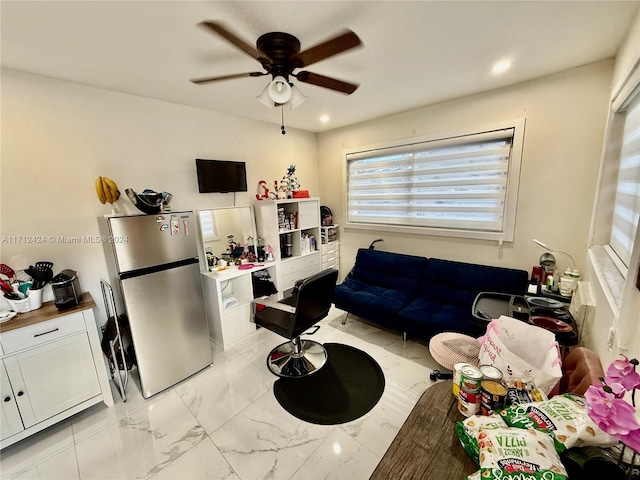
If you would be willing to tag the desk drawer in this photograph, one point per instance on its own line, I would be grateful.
(43, 332)
(335, 263)
(289, 280)
(310, 261)
(330, 247)
(307, 272)
(290, 266)
(330, 257)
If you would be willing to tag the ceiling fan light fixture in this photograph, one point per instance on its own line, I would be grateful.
(280, 54)
(265, 99)
(279, 90)
(297, 98)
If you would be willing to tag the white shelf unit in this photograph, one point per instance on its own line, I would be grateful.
(52, 367)
(228, 296)
(295, 241)
(330, 247)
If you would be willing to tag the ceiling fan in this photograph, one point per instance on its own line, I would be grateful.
(279, 54)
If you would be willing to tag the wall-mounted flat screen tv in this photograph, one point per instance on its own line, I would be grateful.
(221, 176)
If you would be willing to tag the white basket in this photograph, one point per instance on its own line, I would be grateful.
(32, 302)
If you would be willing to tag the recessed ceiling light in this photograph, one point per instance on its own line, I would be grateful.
(324, 118)
(501, 66)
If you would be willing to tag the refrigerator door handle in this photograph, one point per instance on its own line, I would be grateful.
(158, 268)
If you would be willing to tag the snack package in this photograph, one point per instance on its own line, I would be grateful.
(522, 391)
(474, 476)
(469, 429)
(516, 453)
(564, 417)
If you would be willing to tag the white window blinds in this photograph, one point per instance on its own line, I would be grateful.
(208, 226)
(627, 203)
(458, 183)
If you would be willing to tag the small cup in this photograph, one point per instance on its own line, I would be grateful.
(35, 296)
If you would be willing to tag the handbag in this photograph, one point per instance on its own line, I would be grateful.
(522, 352)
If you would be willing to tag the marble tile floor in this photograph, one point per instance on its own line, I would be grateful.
(225, 423)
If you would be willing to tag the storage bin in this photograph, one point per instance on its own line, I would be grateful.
(32, 302)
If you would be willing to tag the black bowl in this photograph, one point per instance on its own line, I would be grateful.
(149, 203)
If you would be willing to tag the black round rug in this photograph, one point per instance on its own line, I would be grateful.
(348, 386)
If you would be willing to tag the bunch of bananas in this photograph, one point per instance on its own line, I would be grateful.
(107, 190)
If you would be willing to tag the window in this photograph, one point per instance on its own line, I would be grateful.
(614, 251)
(626, 211)
(208, 226)
(462, 184)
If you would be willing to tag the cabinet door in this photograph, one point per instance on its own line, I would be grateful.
(52, 377)
(10, 422)
(308, 214)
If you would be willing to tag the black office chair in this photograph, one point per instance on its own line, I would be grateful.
(309, 303)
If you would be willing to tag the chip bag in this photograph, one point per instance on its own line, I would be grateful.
(469, 429)
(518, 454)
(564, 417)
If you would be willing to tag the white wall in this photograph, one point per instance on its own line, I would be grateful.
(565, 122)
(57, 137)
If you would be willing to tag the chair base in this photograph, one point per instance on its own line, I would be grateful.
(297, 359)
(436, 375)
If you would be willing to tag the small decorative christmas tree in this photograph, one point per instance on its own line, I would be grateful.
(293, 184)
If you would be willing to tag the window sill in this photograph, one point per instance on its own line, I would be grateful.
(442, 232)
(609, 275)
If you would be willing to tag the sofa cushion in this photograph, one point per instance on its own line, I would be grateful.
(389, 270)
(458, 283)
(424, 317)
(371, 302)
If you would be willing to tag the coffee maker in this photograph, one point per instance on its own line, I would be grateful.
(66, 289)
(286, 245)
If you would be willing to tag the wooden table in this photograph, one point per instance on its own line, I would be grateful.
(427, 446)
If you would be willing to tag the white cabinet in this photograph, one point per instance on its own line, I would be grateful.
(10, 421)
(228, 296)
(292, 228)
(331, 255)
(330, 247)
(52, 367)
(50, 378)
(309, 213)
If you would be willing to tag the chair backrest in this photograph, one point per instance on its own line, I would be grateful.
(313, 299)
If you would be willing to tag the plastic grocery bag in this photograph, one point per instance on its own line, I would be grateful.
(522, 352)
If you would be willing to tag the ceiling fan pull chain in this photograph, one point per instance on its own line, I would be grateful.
(282, 117)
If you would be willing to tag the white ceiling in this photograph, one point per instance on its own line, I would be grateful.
(415, 53)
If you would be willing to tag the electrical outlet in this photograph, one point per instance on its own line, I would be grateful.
(611, 338)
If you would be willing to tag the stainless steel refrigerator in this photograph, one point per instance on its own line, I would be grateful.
(155, 274)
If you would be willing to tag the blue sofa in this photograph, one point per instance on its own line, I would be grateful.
(421, 296)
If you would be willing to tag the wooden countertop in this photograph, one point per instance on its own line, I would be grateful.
(427, 446)
(48, 311)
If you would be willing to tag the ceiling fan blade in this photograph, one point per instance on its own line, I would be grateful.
(327, 82)
(343, 42)
(219, 29)
(226, 77)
